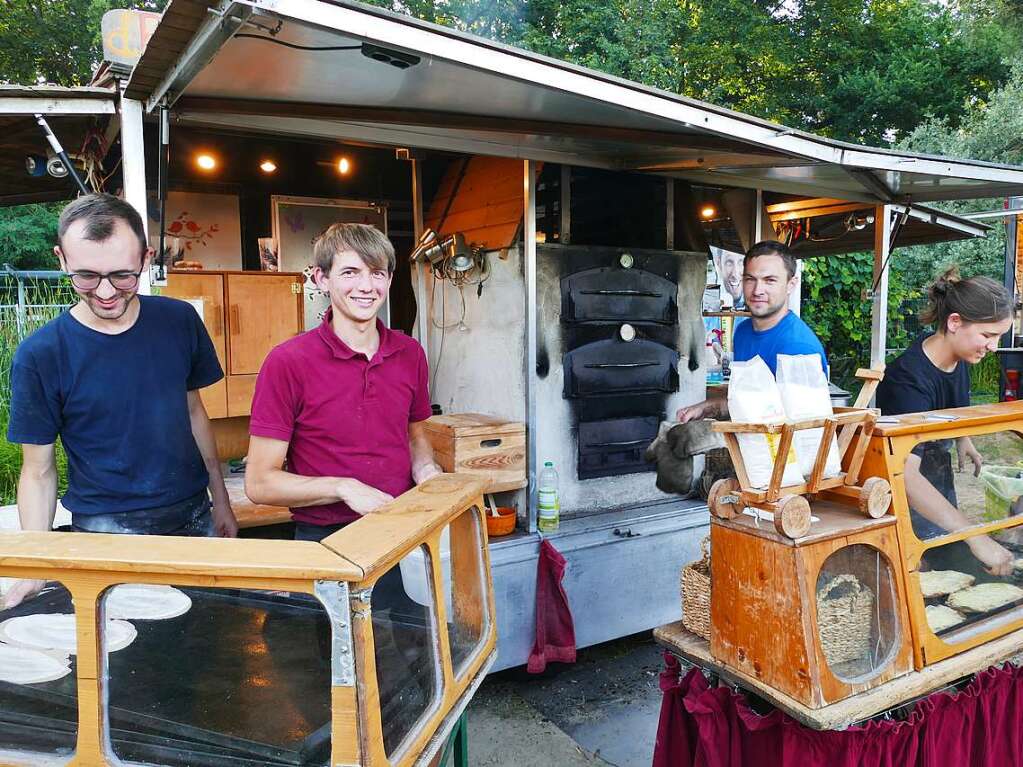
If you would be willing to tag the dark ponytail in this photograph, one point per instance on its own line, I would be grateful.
(977, 299)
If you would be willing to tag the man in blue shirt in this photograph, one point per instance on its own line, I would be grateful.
(768, 279)
(117, 378)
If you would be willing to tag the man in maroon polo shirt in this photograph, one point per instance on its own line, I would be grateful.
(342, 406)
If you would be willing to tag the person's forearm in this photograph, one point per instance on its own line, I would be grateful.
(202, 431)
(925, 499)
(422, 456)
(276, 487)
(37, 497)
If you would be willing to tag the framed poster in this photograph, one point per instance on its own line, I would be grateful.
(298, 221)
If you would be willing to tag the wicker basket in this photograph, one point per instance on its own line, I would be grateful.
(695, 588)
(845, 610)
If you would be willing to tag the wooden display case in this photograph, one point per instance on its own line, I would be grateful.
(393, 668)
(246, 314)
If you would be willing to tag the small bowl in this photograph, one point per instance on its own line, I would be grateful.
(503, 524)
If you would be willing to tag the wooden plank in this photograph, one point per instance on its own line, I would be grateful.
(823, 450)
(781, 460)
(251, 514)
(378, 540)
(231, 436)
(834, 520)
(853, 472)
(473, 424)
(859, 707)
(240, 389)
(58, 553)
(344, 721)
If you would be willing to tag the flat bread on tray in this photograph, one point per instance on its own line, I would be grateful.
(941, 617)
(938, 583)
(985, 597)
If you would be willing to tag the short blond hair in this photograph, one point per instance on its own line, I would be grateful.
(366, 241)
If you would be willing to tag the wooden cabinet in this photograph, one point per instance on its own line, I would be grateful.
(246, 314)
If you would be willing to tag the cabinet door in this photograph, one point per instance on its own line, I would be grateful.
(209, 289)
(263, 310)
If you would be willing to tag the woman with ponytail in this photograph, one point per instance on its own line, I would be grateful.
(969, 318)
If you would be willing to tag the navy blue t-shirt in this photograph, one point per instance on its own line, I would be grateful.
(790, 336)
(119, 404)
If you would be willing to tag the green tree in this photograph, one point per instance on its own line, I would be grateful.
(55, 41)
(27, 236)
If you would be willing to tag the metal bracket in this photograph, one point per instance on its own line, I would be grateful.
(334, 597)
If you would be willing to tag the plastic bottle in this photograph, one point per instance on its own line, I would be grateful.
(548, 502)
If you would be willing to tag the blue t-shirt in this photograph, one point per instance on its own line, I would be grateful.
(790, 336)
(119, 404)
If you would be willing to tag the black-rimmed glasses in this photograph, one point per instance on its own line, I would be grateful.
(118, 280)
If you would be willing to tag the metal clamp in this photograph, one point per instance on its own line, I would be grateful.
(334, 597)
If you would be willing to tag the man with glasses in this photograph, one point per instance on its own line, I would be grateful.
(117, 379)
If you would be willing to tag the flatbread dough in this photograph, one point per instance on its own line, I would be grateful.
(937, 583)
(137, 601)
(55, 631)
(985, 597)
(941, 617)
(20, 665)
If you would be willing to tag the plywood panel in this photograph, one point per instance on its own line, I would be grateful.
(484, 203)
(209, 289)
(239, 395)
(263, 310)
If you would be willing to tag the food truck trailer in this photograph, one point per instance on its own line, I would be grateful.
(553, 226)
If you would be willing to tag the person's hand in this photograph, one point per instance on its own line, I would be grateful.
(693, 412)
(967, 450)
(224, 523)
(360, 497)
(427, 471)
(20, 591)
(996, 558)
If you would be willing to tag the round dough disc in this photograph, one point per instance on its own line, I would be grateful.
(20, 665)
(138, 601)
(57, 632)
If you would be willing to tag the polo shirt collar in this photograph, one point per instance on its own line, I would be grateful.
(341, 350)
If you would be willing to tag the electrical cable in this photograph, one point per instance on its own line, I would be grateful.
(298, 47)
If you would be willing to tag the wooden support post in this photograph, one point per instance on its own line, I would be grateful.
(784, 445)
(814, 483)
(853, 474)
(879, 301)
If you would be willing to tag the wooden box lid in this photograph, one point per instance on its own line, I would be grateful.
(456, 425)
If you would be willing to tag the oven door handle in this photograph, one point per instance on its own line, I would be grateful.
(641, 293)
(629, 443)
(605, 365)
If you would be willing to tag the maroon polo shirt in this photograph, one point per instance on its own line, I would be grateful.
(341, 414)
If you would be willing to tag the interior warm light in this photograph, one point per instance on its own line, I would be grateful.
(344, 165)
(206, 161)
(268, 166)
(708, 211)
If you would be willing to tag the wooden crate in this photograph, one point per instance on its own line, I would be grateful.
(482, 445)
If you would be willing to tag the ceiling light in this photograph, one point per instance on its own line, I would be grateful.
(708, 211)
(343, 166)
(205, 161)
(268, 166)
(390, 56)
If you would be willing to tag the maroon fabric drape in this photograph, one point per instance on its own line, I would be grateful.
(555, 631)
(981, 726)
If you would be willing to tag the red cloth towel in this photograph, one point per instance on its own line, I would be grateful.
(700, 726)
(555, 631)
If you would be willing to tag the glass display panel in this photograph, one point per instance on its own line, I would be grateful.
(465, 595)
(217, 676)
(38, 675)
(405, 646)
(857, 619)
(944, 498)
(973, 586)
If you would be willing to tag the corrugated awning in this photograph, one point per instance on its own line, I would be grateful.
(78, 117)
(321, 69)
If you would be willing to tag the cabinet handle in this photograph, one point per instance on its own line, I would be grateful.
(218, 321)
(235, 320)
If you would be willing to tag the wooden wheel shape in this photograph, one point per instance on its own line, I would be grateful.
(721, 488)
(792, 516)
(875, 497)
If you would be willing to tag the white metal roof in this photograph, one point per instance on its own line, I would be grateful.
(473, 95)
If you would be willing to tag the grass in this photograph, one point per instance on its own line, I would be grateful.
(46, 299)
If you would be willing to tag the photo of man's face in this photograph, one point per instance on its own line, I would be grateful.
(729, 269)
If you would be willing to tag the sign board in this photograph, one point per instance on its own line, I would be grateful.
(125, 34)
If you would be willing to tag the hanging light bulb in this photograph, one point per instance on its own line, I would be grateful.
(268, 166)
(344, 165)
(206, 161)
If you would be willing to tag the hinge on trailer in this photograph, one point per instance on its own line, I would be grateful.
(334, 597)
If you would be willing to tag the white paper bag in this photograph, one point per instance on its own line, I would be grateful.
(805, 395)
(753, 397)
